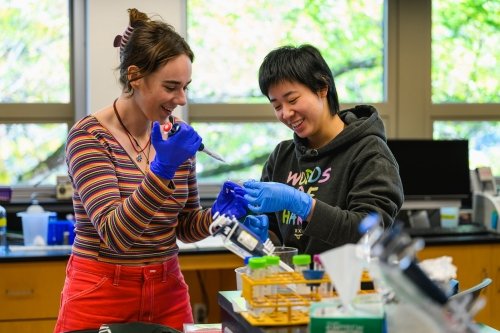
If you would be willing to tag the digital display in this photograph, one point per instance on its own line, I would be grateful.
(433, 169)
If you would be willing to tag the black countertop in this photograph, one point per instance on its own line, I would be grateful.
(214, 245)
(19, 253)
(462, 239)
(462, 234)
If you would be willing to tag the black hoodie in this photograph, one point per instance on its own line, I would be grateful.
(351, 176)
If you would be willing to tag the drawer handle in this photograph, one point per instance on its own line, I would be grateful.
(497, 278)
(19, 292)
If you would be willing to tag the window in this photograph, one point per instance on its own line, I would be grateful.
(32, 154)
(231, 42)
(467, 30)
(244, 146)
(35, 47)
(483, 136)
(35, 90)
(375, 40)
(229, 45)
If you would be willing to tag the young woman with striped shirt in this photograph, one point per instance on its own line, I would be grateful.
(135, 192)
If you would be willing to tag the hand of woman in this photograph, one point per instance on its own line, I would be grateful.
(230, 201)
(259, 225)
(268, 197)
(173, 151)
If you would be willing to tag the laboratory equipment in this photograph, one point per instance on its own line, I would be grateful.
(286, 306)
(449, 217)
(61, 232)
(3, 230)
(482, 180)
(301, 263)
(239, 271)
(273, 267)
(486, 201)
(345, 268)
(318, 266)
(257, 267)
(238, 238)
(486, 208)
(286, 254)
(396, 253)
(35, 221)
(171, 128)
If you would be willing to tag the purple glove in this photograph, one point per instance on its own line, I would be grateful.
(259, 225)
(268, 197)
(174, 151)
(230, 201)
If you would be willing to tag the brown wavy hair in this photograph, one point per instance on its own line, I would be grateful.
(151, 44)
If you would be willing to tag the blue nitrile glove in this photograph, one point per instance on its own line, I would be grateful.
(259, 225)
(230, 201)
(267, 197)
(173, 151)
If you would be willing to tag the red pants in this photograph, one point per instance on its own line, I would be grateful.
(97, 293)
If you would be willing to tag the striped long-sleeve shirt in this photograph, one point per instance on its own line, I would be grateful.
(122, 215)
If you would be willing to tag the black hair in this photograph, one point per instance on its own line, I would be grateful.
(303, 64)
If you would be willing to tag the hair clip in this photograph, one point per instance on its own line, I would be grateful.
(126, 36)
(122, 40)
(117, 41)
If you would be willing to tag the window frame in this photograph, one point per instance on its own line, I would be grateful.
(22, 113)
(263, 112)
(25, 113)
(416, 111)
(407, 112)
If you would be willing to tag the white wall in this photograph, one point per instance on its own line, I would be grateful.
(105, 20)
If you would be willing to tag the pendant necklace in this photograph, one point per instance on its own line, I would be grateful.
(133, 141)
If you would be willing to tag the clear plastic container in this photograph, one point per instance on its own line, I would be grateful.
(273, 263)
(239, 271)
(273, 268)
(36, 227)
(302, 262)
(256, 271)
(324, 288)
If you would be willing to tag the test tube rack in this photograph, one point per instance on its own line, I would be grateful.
(285, 307)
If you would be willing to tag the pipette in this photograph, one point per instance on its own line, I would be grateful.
(171, 128)
(238, 238)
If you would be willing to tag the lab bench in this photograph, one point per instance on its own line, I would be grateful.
(476, 257)
(31, 281)
(233, 321)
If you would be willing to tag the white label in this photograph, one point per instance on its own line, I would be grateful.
(247, 240)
